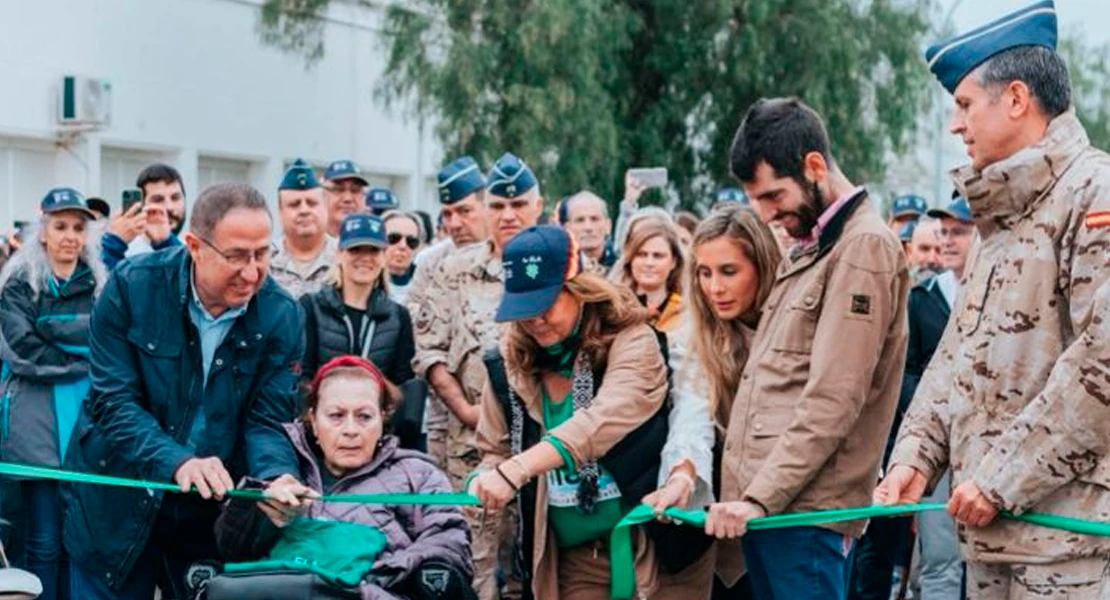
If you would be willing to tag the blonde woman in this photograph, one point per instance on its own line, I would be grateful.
(355, 315)
(731, 270)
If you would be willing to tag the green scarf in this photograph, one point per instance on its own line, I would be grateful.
(559, 357)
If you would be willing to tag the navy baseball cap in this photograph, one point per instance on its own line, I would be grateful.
(361, 229)
(344, 169)
(459, 179)
(65, 198)
(905, 206)
(381, 200)
(952, 60)
(957, 209)
(537, 262)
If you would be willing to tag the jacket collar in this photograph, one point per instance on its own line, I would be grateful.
(298, 435)
(80, 282)
(377, 306)
(830, 233)
(1014, 186)
(487, 264)
(248, 327)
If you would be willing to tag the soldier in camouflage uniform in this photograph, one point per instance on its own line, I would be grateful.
(301, 260)
(461, 194)
(465, 290)
(1017, 399)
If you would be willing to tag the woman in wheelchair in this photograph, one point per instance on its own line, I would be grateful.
(342, 450)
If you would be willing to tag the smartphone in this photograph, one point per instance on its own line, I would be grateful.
(131, 197)
(649, 177)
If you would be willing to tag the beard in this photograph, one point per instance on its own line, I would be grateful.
(177, 222)
(807, 214)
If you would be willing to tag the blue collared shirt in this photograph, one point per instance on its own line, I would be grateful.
(212, 332)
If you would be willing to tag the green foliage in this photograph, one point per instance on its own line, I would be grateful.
(584, 89)
(1089, 70)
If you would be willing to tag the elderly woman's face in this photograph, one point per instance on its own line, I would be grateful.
(556, 324)
(64, 236)
(347, 422)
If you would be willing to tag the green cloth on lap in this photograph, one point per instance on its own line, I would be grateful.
(338, 552)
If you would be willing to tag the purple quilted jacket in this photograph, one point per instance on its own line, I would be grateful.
(415, 534)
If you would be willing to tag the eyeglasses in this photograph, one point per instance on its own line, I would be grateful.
(411, 241)
(240, 259)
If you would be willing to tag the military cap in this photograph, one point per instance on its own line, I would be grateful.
(957, 209)
(344, 169)
(459, 179)
(953, 59)
(379, 200)
(908, 205)
(299, 177)
(510, 177)
(65, 198)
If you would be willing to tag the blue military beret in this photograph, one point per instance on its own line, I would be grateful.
(909, 205)
(952, 60)
(510, 177)
(459, 179)
(299, 177)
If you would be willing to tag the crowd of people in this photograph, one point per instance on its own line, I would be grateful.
(789, 351)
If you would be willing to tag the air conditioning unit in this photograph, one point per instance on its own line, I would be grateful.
(84, 101)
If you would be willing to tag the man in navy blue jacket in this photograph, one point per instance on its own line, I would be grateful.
(195, 357)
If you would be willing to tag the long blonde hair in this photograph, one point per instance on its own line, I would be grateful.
(607, 310)
(644, 233)
(718, 345)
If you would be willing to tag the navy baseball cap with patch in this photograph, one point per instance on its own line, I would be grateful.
(905, 206)
(537, 262)
(510, 177)
(65, 198)
(299, 177)
(953, 59)
(362, 230)
(905, 234)
(344, 169)
(957, 209)
(381, 200)
(459, 179)
(731, 194)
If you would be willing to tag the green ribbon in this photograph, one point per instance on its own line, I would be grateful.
(16, 470)
(621, 563)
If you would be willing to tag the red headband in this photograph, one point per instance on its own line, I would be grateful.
(348, 361)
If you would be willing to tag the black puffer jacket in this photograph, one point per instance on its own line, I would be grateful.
(329, 332)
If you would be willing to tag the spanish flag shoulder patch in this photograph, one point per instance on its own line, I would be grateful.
(1098, 218)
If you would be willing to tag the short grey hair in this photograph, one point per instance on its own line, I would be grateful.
(217, 200)
(1038, 67)
(587, 194)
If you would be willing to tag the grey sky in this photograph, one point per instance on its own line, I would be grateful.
(1072, 14)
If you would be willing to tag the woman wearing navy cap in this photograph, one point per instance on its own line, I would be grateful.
(355, 315)
(574, 421)
(46, 295)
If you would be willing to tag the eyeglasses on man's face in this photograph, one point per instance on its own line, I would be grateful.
(240, 258)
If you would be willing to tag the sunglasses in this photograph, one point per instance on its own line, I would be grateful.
(412, 241)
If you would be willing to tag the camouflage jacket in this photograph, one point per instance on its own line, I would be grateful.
(454, 324)
(298, 280)
(1017, 397)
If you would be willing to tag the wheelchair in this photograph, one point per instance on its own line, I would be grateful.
(207, 581)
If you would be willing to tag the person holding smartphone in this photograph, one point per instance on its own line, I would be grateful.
(151, 224)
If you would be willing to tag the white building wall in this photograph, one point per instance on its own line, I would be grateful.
(193, 86)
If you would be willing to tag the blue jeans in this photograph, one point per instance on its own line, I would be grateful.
(797, 563)
(45, 556)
